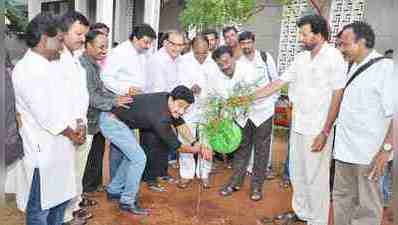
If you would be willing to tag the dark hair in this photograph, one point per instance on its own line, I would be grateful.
(199, 38)
(182, 93)
(319, 25)
(229, 28)
(211, 31)
(362, 30)
(142, 30)
(221, 51)
(246, 35)
(41, 24)
(97, 26)
(389, 51)
(70, 17)
(91, 35)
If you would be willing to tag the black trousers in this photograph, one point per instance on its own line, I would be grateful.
(157, 156)
(260, 138)
(92, 177)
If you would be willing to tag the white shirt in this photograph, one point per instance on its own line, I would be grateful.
(39, 93)
(124, 68)
(162, 72)
(365, 112)
(262, 109)
(77, 96)
(313, 82)
(191, 72)
(222, 85)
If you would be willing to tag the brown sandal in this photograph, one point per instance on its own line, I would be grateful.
(86, 202)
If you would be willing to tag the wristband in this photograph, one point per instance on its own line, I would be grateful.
(194, 142)
(324, 132)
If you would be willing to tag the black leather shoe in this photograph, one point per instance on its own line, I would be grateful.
(256, 194)
(134, 209)
(228, 190)
(112, 197)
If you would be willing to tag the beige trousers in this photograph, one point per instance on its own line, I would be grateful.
(309, 174)
(356, 200)
(81, 156)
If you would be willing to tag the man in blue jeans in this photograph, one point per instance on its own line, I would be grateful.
(158, 113)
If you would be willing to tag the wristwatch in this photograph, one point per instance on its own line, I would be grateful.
(387, 147)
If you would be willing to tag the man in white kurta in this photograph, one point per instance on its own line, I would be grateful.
(194, 69)
(317, 76)
(257, 127)
(75, 27)
(46, 175)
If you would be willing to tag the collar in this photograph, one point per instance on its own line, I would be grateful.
(88, 59)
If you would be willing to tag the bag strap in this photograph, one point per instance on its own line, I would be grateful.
(263, 55)
(361, 69)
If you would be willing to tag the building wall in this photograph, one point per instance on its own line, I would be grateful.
(267, 27)
(381, 15)
(169, 14)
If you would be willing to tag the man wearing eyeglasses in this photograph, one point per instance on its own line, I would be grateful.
(162, 76)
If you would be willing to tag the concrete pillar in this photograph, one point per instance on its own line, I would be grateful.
(34, 8)
(121, 21)
(82, 7)
(105, 15)
(2, 108)
(394, 202)
(152, 13)
(151, 16)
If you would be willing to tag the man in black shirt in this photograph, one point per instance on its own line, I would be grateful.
(158, 113)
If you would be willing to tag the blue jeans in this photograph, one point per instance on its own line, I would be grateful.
(115, 159)
(35, 215)
(386, 182)
(126, 181)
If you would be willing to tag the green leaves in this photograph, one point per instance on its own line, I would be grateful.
(16, 15)
(202, 14)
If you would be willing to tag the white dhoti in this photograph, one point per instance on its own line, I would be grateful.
(309, 174)
(188, 166)
(81, 156)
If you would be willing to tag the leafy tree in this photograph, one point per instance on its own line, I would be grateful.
(202, 14)
(16, 15)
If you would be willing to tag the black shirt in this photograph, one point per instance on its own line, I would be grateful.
(150, 112)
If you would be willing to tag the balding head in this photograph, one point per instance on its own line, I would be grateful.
(200, 47)
(174, 44)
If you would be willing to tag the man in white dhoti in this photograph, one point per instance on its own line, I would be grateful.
(46, 177)
(194, 70)
(317, 77)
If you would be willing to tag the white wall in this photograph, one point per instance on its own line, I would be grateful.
(382, 16)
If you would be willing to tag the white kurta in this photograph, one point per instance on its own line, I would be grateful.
(313, 82)
(191, 72)
(223, 85)
(264, 108)
(39, 95)
(76, 97)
